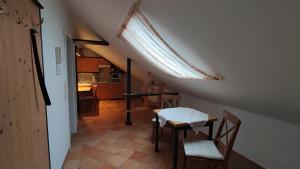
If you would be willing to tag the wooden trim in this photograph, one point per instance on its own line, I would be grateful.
(130, 13)
(100, 57)
(208, 76)
(38, 4)
(135, 9)
(93, 42)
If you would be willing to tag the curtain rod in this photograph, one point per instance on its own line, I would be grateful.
(132, 10)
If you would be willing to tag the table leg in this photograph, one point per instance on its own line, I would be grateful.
(157, 125)
(211, 127)
(175, 147)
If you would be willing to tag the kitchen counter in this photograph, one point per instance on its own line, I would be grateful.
(104, 89)
(84, 88)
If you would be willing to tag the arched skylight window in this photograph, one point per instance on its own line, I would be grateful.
(140, 34)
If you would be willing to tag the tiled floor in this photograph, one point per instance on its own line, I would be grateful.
(105, 142)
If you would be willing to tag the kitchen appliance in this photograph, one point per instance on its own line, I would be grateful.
(115, 76)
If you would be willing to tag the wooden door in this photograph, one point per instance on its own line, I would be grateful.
(23, 130)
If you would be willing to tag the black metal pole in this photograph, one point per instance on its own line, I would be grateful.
(210, 130)
(185, 133)
(157, 125)
(175, 147)
(128, 98)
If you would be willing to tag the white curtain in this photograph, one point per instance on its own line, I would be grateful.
(142, 36)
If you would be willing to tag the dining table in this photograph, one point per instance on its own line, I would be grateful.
(177, 124)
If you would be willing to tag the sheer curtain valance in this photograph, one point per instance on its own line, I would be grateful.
(142, 36)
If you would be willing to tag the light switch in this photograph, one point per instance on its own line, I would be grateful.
(58, 60)
(58, 55)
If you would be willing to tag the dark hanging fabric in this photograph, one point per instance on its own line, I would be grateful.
(38, 67)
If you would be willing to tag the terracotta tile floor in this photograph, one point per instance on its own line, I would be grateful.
(105, 142)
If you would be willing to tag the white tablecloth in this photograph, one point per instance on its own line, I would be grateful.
(195, 118)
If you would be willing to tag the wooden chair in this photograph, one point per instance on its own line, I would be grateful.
(167, 101)
(89, 102)
(216, 152)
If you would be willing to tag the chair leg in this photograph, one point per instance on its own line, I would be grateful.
(184, 162)
(225, 166)
(185, 133)
(153, 134)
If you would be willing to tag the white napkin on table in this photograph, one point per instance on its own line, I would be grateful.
(195, 118)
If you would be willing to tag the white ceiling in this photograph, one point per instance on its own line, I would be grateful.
(254, 44)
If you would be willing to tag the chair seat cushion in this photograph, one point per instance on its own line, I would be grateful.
(154, 120)
(202, 148)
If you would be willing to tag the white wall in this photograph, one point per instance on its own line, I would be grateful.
(254, 44)
(271, 143)
(53, 32)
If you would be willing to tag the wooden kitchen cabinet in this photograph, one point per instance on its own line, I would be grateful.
(110, 91)
(117, 90)
(103, 61)
(85, 64)
(104, 91)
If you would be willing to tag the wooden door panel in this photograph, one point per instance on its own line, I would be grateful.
(23, 130)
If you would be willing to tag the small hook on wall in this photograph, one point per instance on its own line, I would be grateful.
(37, 25)
(3, 11)
(19, 20)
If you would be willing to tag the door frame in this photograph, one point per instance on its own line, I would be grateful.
(72, 84)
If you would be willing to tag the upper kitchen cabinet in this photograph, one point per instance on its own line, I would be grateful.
(90, 64)
(103, 61)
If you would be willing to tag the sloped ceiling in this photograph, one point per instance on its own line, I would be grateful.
(254, 44)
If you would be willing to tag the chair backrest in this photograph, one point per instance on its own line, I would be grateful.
(225, 137)
(168, 101)
(94, 89)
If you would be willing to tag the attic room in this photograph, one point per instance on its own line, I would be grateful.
(158, 84)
